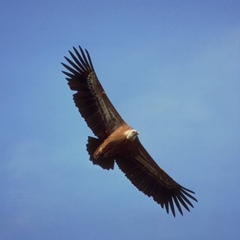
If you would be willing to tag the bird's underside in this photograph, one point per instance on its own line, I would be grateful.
(116, 141)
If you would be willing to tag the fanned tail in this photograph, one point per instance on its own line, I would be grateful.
(92, 145)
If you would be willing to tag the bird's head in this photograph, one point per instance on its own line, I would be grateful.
(131, 134)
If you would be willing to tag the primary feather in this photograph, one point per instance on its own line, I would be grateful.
(113, 143)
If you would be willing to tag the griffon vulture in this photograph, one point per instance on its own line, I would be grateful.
(117, 141)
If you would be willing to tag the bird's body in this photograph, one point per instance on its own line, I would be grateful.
(117, 141)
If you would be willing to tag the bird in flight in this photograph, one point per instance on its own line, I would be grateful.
(116, 141)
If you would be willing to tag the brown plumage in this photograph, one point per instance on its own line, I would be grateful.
(117, 141)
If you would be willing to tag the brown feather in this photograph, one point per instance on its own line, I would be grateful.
(91, 99)
(113, 144)
(148, 177)
(92, 145)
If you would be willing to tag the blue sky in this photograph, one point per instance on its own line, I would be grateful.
(171, 68)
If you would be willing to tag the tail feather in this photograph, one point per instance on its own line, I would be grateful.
(92, 145)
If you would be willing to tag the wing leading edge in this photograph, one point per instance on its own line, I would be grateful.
(90, 98)
(103, 119)
(148, 177)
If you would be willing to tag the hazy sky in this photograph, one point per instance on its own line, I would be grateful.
(171, 68)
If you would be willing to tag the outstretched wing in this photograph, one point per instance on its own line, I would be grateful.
(91, 99)
(148, 177)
